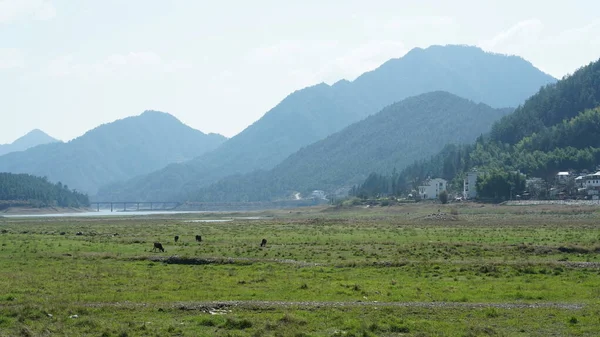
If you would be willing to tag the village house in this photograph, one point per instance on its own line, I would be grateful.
(562, 177)
(579, 181)
(318, 194)
(591, 183)
(470, 185)
(432, 188)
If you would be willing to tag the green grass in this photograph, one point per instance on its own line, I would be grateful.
(486, 259)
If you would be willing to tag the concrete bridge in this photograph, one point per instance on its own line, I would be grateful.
(136, 205)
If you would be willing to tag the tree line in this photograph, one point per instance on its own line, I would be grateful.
(557, 129)
(26, 189)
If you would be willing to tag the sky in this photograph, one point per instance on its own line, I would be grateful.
(68, 66)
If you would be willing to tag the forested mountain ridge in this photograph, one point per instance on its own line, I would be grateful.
(28, 190)
(545, 135)
(114, 151)
(401, 133)
(551, 105)
(313, 113)
(33, 138)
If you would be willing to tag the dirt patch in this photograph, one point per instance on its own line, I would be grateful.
(229, 260)
(440, 217)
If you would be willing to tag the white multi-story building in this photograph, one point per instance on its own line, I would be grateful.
(432, 188)
(592, 181)
(469, 185)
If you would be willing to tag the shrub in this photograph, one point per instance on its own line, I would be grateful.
(399, 329)
(232, 323)
(443, 196)
(207, 322)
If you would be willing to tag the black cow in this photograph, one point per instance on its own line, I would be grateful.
(263, 243)
(198, 238)
(176, 238)
(158, 245)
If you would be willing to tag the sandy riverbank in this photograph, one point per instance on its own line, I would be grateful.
(43, 210)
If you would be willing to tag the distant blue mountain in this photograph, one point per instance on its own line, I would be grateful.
(32, 138)
(115, 151)
(314, 113)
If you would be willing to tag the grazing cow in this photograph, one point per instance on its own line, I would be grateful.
(263, 243)
(198, 238)
(158, 245)
(176, 238)
(79, 233)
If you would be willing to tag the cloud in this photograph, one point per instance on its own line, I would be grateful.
(314, 61)
(11, 58)
(556, 53)
(518, 36)
(115, 65)
(304, 60)
(15, 10)
(290, 52)
(587, 34)
(362, 58)
(415, 22)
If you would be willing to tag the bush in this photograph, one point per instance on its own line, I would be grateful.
(351, 202)
(232, 323)
(400, 329)
(443, 196)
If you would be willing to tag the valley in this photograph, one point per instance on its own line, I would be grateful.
(505, 270)
(335, 169)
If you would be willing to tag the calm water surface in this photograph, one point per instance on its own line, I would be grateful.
(121, 213)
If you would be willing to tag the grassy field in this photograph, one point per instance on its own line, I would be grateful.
(409, 270)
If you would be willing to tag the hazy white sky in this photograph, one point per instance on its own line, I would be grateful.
(68, 66)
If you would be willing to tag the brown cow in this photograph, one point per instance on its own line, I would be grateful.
(159, 246)
(263, 243)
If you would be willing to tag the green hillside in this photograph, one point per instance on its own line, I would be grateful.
(115, 151)
(551, 105)
(313, 113)
(403, 132)
(32, 191)
(557, 129)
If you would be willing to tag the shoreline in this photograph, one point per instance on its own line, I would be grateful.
(42, 211)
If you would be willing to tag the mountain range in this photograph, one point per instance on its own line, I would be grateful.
(313, 113)
(115, 151)
(31, 139)
(401, 133)
(556, 129)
